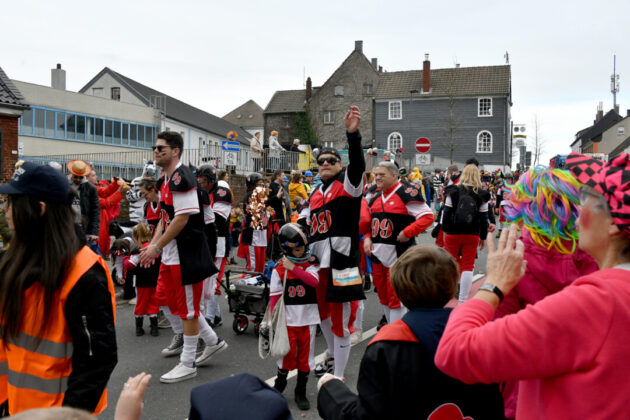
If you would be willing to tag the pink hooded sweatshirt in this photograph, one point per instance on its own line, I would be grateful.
(548, 272)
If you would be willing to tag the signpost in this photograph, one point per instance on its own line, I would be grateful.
(423, 159)
(423, 145)
(230, 146)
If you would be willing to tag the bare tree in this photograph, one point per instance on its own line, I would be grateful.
(538, 140)
(451, 122)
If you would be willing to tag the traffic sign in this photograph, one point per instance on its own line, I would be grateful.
(230, 158)
(423, 145)
(423, 159)
(230, 146)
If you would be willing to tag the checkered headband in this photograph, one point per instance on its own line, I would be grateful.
(611, 179)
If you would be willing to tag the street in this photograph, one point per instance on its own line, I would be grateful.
(172, 401)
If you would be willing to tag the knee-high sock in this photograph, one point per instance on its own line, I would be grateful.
(311, 354)
(358, 321)
(386, 311)
(465, 284)
(326, 326)
(342, 354)
(207, 333)
(176, 322)
(396, 313)
(190, 347)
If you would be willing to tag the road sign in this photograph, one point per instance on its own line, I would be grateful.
(423, 145)
(230, 158)
(230, 146)
(423, 159)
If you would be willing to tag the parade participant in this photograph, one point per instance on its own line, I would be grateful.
(298, 269)
(254, 232)
(437, 181)
(579, 336)
(186, 259)
(398, 378)
(145, 282)
(57, 300)
(333, 216)
(451, 178)
(503, 190)
(110, 195)
(465, 224)
(134, 197)
(85, 204)
(548, 231)
(397, 214)
(296, 188)
(276, 197)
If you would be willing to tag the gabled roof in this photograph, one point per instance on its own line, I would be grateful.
(594, 132)
(10, 95)
(175, 108)
(286, 101)
(617, 150)
(241, 115)
(461, 81)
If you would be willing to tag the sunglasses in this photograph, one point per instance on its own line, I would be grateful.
(331, 160)
(159, 148)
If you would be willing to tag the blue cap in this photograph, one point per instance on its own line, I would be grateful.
(308, 173)
(41, 181)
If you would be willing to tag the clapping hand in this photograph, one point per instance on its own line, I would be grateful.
(506, 265)
(130, 405)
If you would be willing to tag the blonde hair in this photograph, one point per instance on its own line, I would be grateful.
(53, 413)
(471, 176)
(141, 234)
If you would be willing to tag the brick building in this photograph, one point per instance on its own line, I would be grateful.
(12, 105)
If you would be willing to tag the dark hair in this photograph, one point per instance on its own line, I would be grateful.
(472, 161)
(173, 139)
(276, 173)
(42, 249)
(425, 276)
(148, 184)
(296, 177)
(221, 175)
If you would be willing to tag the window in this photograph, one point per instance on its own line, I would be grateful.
(39, 122)
(621, 130)
(395, 110)
(50, 124)
(116, 93)
(27, 122)
(394, 142)
(250, 116)
(329, 117)
(484, 107)
(368, 89)
(238, 116)
(80, 127)
(484, 142)
(97, 92)
(286, 122)
(338, 90)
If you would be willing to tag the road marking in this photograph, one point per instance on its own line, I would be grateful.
(320, 357)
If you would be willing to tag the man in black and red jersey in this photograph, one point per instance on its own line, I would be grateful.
(397, 213)
(186, 259)
(333, 216)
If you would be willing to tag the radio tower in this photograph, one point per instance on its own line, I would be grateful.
(614, 82)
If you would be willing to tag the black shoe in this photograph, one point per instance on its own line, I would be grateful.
(217, 322)
(381, 323)
(281, 380)
(139, 329)
(300, 391)
(367, 284)
(209, 321)
(153, 325)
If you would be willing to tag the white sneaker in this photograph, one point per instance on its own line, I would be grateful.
(133, 301)
(356, 337)
(179, 373)
(210, 351)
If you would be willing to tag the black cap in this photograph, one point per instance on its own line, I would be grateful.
(40, 181)
(329, 151)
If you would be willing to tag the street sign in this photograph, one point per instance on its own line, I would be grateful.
(423, 145)
(230, 146)
(230, 158)
(423, 159)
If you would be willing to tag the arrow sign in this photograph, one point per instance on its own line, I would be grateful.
(230, 146)
(423, 145)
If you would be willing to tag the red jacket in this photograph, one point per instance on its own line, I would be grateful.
(109, 198)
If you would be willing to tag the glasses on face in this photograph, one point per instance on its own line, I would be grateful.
(160, 148)
(331, 160)
(600, 202)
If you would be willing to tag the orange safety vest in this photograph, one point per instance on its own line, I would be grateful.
(38, 374)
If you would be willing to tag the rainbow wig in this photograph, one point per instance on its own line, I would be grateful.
(545, 203)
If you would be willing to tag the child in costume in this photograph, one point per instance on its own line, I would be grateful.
(300, 272)
(145, 281)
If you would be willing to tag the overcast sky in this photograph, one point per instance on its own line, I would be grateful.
(217, 56)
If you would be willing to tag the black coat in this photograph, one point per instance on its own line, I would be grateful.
(90, 208)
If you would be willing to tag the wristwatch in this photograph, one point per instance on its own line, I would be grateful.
(494, 289)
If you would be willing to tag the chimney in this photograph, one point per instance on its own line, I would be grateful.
(426, 75)
(600, 112)
(309, 88)
(58, 78)
(358, 46)
(380, 69)
(375, 63)
(456, 65)
(627, 112)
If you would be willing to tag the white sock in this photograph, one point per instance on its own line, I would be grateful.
(176, 322)
(465, 284)
(217, 308)
(207, 333)
(209, 308)
(342, 354)
(358, 321)
(396, 313)
(326, 326)
(386, 311)
(311, 354)
(190, 348)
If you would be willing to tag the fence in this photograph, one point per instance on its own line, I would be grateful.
(129, 165)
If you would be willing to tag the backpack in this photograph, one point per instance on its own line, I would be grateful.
(467, 208)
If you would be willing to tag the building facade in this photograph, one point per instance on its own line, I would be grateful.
(589, 139)
(12, 106)
(615, 135)
(248, 116)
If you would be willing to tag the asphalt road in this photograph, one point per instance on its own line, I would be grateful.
(172, 401)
